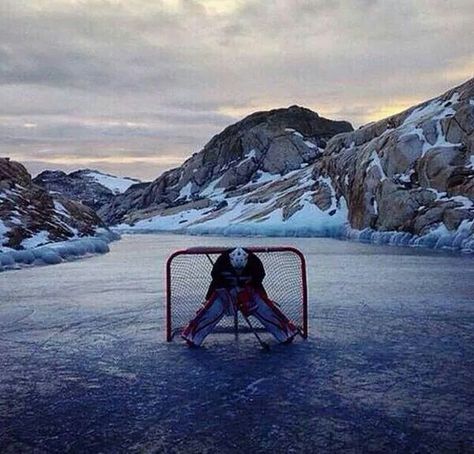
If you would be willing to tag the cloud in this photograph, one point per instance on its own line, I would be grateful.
(164, 76)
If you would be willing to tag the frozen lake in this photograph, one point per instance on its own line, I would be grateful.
(388, 366)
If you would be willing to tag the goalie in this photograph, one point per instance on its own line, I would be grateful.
(237, 277)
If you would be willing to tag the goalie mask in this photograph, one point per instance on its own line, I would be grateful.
(238, 258)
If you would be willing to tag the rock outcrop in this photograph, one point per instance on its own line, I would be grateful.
(407, 179)
(261, 147)
(90, 187)
(412, 172)
(31, 216)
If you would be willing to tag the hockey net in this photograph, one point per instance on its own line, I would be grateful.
(188, 275)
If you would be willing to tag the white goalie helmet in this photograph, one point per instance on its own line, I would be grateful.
(238, 258)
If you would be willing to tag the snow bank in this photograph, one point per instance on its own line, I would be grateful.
(309, 221)
(241, 218)
(299, 225)
(54, 253)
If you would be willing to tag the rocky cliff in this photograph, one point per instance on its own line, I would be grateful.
(410, 173)
(90, 187)
(247, 155)
(407, 179)
(31, 216)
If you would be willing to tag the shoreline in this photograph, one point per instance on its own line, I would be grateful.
(57, 252)
(460, 242)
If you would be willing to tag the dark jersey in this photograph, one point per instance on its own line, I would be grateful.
(224, 275)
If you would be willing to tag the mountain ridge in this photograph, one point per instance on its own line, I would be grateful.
(91, 187)
(272, 142)
(407, 178)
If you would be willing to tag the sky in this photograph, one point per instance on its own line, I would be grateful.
(134, 87)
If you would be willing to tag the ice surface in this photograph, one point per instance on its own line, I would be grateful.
(387, 366)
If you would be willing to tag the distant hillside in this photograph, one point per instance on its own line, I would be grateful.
(31, 216)
(90, 187)
(262, 148)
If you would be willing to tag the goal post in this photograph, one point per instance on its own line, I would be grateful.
(188, 275)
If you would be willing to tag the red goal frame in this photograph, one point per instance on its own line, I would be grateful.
(219, 250)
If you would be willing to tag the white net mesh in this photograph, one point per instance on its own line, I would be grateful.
(189, 276)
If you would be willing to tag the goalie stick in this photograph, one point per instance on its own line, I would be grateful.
(263, 344)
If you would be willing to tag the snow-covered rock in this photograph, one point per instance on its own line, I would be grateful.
(410, 175)
(245, 159)
(405, 180)
(118, 185)
(276, 206)
(90, 187)
(39, 227)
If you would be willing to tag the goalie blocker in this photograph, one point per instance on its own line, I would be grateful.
(188, 275)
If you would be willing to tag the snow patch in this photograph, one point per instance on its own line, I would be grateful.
(375, 162)
(211, 191)
(3, 231)
(59, 207)
(436, 109)
(117, 185)
(251, 154)
(185, 192)
(36, 240)
(464, 201)
(471, 160)
(266, 177)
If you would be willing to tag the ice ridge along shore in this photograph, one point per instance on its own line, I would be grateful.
(57, 252)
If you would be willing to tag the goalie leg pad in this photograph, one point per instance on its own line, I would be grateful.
(267, 312)
(218, 305)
